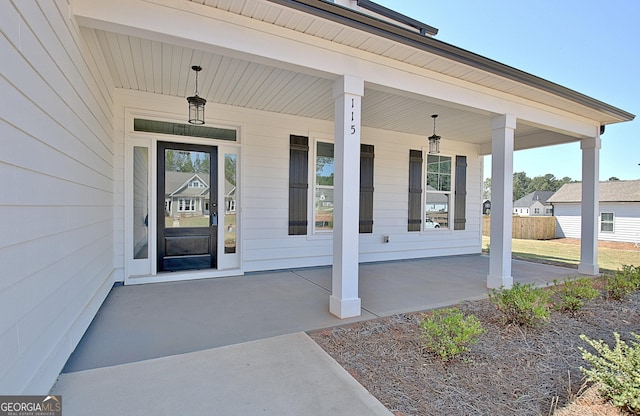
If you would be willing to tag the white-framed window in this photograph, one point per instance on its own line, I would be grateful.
(323, 186)
(536, 210)
(437, 192)
(196, 184)
(186, 205)
(607, 220)
(548, 211)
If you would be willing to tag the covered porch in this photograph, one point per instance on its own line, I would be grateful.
(342, 76)
(149, 321)
(238, 343)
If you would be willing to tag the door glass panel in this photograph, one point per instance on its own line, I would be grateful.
(186, 202)
(140, 202)
(230, 202)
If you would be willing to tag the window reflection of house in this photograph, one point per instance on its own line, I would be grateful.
(229, 197)
(186, 193)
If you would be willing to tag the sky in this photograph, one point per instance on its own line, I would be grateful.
(592, 47)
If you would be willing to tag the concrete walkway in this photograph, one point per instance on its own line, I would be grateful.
(236, 345)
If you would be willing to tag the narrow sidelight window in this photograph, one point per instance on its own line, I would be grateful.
(459, 218)
(366, 188)
(298, 184)
(415, 190)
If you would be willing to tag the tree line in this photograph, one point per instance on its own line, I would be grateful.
(523, 185)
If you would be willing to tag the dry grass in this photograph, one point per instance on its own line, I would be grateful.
(566, 251)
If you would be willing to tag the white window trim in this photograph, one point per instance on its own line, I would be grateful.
(182, 205)
(451, 193)
(612, 222)
(312, 176)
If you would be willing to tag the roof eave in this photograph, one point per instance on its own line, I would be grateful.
(355, 19)
(398, 17)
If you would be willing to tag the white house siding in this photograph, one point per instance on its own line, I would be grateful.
(567, 220)
(626, 226)
(626, 221)
(264, 187)
(56, 175)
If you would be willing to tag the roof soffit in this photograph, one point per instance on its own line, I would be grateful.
(461, 63)
(263, 16)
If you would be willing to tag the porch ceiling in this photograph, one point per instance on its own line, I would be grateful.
(164, 67)
(150, 66)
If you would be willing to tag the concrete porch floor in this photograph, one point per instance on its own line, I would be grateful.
(159, 330)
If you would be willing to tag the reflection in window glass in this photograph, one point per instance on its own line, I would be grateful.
(438, 192)
(140, 202)
(323, 207)
(436, 211)
(186, 200)
(230, 203)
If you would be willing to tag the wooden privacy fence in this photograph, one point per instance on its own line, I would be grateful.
(526, 228)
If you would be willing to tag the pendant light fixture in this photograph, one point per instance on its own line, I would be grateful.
(196, 103)
(434, 139)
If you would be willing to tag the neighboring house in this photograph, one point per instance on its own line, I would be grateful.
(534, 204)
(618, 217)
(306, 101)
(486, 207)
(186, 194)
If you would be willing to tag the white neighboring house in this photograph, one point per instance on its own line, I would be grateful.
(534, 204)
(304, 99)
(619, 216)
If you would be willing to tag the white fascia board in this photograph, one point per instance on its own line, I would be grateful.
(193, 25)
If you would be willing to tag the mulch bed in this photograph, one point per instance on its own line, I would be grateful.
(511, 371)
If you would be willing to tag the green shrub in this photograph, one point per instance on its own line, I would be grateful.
(633, 274)
(524, 305)
(571, 294)
(449, 333)
(618, 286)
(617, 370)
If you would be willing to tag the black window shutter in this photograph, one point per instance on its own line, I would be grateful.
(459, 218)
(415, 190)
(298, 184)
(366, 188)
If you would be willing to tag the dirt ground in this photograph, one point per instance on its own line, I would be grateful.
(511, 371)
(608, 244)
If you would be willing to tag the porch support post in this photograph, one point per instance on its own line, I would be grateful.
(590, 206)
(502, 130)
(347, 93)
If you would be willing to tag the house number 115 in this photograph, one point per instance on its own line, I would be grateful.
(353, 126)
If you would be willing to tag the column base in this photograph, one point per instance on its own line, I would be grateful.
(344, 308)
(589, 269)
(497, 282)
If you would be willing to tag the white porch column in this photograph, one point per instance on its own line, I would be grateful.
(590, 206)
(502, 133)
(347, 94)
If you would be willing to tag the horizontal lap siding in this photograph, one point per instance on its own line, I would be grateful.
(391, 203)
(265, 200)
(626, 221)
(56, 175)
(264, 191)
(568, 220)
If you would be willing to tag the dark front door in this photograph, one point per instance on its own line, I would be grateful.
(187, 207)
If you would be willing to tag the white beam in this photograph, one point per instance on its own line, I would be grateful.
(344, 300)
(502, 133)
(590, 206)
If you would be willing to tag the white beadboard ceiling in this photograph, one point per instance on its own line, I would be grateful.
(147, 65)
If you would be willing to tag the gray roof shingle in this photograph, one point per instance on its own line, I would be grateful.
(527, 200)
(610, 191)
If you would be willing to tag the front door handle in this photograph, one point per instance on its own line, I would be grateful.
(214, 219)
